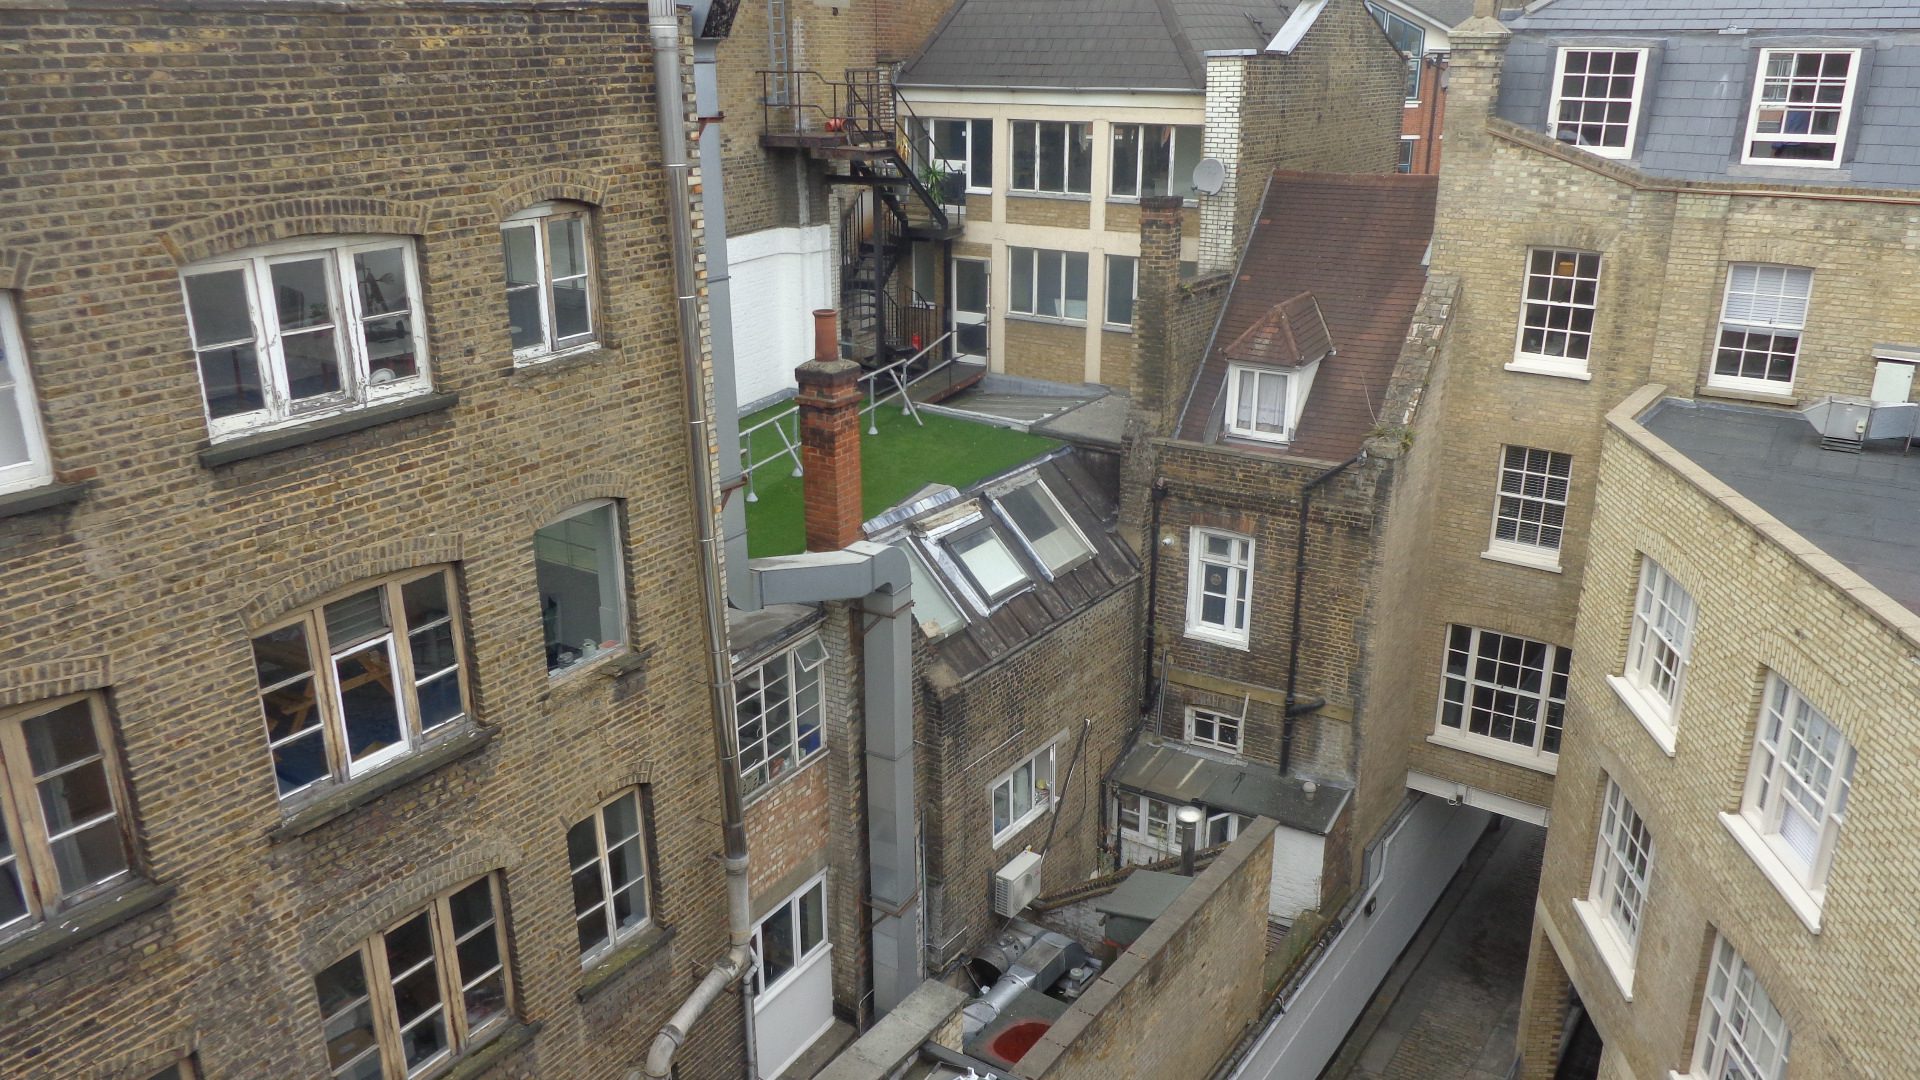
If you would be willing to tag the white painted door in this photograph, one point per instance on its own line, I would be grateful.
(793, 979)
(970, 309)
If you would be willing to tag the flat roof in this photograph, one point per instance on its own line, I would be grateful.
(1862, 509)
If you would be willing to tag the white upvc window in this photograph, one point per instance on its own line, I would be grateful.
(1042, 525)
(1621, 868)
(1530, 511)
(305, 329)
(1596, 99)
(607, 856)
(1802, 107)
(1742, 1035)
(1052, 157)
(24, 462)
(1219, 586)
(789, 937)
(1021, 794)
(1154, 159)
(1797, 784)
(1761, 319)
(578, 569)
(1123, 289)
(549, 267)
(1504, 695)
(1260, 403)
(777, 714)
(1557, 313)
(964, 147)
(1211, 727)
(1660, 643)
(1145, 820)
(1047, 284)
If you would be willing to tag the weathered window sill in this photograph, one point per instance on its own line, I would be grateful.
(652, 941)
(553, 363)
(44, 497)
(1057, 196)
(89, 920)
(272, 442)
(355, 794)
(480, 1061)
(1757, 397)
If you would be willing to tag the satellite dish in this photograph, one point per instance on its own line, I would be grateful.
(1209, 176)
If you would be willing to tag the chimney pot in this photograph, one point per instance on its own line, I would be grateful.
(826, 334)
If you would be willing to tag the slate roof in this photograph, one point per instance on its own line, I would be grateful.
(1088, 44)
(1694, 113)
(1293, 333)
(1358, 244)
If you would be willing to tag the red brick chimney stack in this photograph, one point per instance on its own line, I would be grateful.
(829, 403)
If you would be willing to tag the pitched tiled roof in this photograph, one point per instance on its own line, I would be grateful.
(1088, 44)
(1292, 334)
(1358, 244)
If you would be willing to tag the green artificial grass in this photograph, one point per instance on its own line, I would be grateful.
(894, 464)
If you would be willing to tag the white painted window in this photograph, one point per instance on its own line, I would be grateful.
(1530, 511)
(1210, 727)
(421, 993)
(1260, 403)
(1219, 585)
(1622, 866)
(1742, 1036)
(790, 935)
(1661, 640)
(1047, 284)
(1040, 522)
(1556, 321)
(1596, 99)
(359, 680)
(24, 462)
(1221, 828)
(1508, 690)
(1797, 783)
(306, 329)
(777, 714)
(1052, 157)
(607, 855)
(64, 833)
(1154, 159)
(1802, 107)
(1021, 794)
(578, 569)
(1123, 289)
(964, 147)
(1761, 318)
(1146, 820)
(549, 263)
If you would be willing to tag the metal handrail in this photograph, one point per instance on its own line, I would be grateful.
(789, 447)
(892, 372)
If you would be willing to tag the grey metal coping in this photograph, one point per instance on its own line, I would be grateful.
(1169, 771)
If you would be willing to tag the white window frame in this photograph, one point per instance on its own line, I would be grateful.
(1026, 306)
(1175, 184)
(16, 380)
(799, 670)
(602, 866)
(1413, 56)
(1239, 587)
(1216, 729)
(1290, 384)
(1049, 506)
(1040, 798)
(1409, 146)
(803, 957)
(1070, 130)
(1632, 133)
(1615, 908)
(930, 594)
(1502, 696)
(1802, 765)
(1742, 1033)
(969, 166)
(1531, 494)
(1752, 134)
(538, 220)
(1665, 619)
(616, 563)
(1545, 363)
(1140, 809)
(358, 389)
(1132, 263)
(1784, 325)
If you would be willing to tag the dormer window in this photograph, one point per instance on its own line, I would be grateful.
(1596, 99)
(1259, 404)
(1802, 105)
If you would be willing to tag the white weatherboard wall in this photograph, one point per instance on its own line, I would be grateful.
(780, 276)
(1421, 856)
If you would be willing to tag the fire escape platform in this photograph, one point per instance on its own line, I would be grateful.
(830, 145)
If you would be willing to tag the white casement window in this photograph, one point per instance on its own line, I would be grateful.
(1761, 319)
(1123, 289)
(1145, 820)
(1154, 159)
(607, 855)
(1047, 284)
(791, 934)
(23, 448)
(1210, 727)
(1503, 694)
(422, 993)
(1621, 868)
(964, 147)
(1556, 320)
(1530, 511)
(1661, 640)
(1042, 525)
(64, 834)
(1052, 157)
(1742, 1036)
(360, 680)
(777, 714)
(1797, 784)
(1219, 586)
(1802, 107)
(579, 570)
(306, 329)
(1260, 403)
(549, 265)
(1596, 99)
(1021, 794)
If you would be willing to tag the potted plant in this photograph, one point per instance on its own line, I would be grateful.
(949, 187)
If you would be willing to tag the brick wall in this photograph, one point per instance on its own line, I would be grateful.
(1045, 350)
(1426, 120)
(1061, 213)
(156, 124)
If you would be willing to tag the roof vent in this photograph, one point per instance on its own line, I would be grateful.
(1849, 423)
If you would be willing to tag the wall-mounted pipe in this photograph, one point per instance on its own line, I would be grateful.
(1296, 707)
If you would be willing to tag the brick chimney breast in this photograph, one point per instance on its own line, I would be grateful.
(829, 402)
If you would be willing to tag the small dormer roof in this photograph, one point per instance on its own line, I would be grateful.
(1291, 334)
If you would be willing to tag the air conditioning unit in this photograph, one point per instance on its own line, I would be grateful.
(1016, 884)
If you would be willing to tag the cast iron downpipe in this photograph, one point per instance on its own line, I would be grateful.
(664, 25)
(1297, 708)
(1158, 491)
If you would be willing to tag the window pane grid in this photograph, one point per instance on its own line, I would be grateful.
(1505, 687)
(1532, 508)
(1626, 857)
(1596, 97)
(1022, 794)
(1222, 582)
(777, 707)
(1800, 106)
(1561, 293)
(1215, 729)
(1761, 318)
(1662, 630)
(1802, 772)
(1258, 404)
(62, 836)
(790, 935)
(1742, 1037)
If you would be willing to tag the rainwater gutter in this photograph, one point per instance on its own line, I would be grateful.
(1296, 708)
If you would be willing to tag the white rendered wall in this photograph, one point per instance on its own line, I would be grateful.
(1297, 861)
(779, 277)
